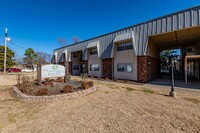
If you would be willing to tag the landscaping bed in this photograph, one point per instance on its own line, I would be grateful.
(29, 90)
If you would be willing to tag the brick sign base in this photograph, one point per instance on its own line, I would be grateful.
(53, 98)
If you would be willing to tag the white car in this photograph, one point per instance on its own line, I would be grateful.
(27, 70)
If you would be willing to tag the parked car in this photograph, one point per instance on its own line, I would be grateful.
(27, 70)
(13, 70)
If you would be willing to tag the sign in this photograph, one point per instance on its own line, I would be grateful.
(49, 71)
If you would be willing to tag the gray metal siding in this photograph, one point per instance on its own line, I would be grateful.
(169, 23)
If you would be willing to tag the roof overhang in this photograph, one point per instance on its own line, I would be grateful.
(176, 39)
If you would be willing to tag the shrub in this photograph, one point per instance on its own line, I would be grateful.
(59, 79)
(68, 89)
(87, 84)
(25, 82)
(42, 92)
(49, 83)
(46, 79)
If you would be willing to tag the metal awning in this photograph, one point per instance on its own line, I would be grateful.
(62, 58)
(93, 44)
(123, 37)
(129, 36)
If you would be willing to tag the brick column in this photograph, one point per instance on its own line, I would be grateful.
(142, 73)
(148, 68)
(70, 67)
(62, 63)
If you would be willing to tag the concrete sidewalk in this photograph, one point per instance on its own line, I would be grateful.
(166, 82)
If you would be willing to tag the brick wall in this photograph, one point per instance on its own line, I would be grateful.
(86, 66)
(107, 68)
(70, 67)
(148, 68)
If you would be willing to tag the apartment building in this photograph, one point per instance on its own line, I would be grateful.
(133, 53)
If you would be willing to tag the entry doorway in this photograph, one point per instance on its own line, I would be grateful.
(166, 56)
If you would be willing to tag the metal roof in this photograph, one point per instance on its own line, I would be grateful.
(141, 32)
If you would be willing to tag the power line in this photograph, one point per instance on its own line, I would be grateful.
(17, 45)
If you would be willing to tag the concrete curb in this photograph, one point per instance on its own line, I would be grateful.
(43, 99)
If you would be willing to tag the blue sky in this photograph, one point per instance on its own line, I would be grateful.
(39, 23)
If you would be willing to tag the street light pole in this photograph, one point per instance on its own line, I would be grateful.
(5, 49)
(172, 92)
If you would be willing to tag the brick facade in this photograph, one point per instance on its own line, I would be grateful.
(107, 68)
(70, 67)
(148, 68)
(61, 63)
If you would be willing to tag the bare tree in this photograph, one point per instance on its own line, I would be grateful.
(18, 59)
(62, 42)
(76, 39)
(43, 58)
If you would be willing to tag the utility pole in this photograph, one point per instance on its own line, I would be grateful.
(5, 49)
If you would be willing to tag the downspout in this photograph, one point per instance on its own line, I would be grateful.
(134, 42)
(147, 42)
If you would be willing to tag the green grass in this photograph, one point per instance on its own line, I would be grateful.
(11, 118)
(129, 89)
(114, 87)
(5, 87)
(148, 91)
(193, 100)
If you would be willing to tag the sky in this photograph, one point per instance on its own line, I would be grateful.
(38, 24)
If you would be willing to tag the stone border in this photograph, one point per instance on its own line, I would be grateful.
(53, 98)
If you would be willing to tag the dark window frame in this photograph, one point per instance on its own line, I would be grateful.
(125, 46)
(93, 51)
(123, 67)
(75, 68)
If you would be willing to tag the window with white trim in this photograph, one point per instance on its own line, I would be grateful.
(94, 67)
(76, 67)
(124, 46)
(125, 67)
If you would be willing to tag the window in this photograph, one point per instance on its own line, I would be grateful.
(75, 56)
(125, 67)
(124, 46)
(75, 67)
(93, 51)
(94, 67)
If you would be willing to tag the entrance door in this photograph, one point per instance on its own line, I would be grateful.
(107, 68)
